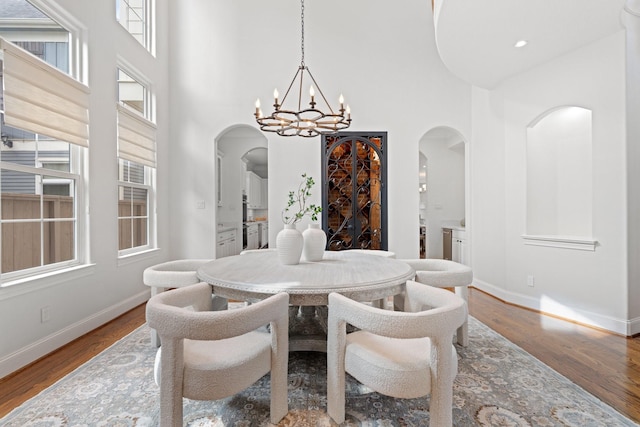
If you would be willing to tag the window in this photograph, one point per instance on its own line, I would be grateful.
(134, 191)
(39, 205)
(136, 166)
(44, 127)
(134, 16)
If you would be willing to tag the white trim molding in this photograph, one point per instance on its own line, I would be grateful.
(617, 326)
(579, 243)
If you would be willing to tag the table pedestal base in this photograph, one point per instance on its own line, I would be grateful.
(308, 328)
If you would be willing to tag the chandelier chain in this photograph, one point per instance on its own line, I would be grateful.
(302, 31)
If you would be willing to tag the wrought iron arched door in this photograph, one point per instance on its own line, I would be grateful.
(354, 201)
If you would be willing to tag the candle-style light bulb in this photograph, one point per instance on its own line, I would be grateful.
(348, 113)
(257, 107)
(341, 100)
(275, 95)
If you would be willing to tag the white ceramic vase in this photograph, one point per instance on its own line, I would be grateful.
(314, 243)
(289, 243)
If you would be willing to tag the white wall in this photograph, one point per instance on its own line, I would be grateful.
(84, 299)
(590, 287)
(380, 56)
(631, 19)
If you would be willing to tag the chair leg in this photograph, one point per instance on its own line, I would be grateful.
(279, 390)
(155, 338)
(336, 392)
(462, 334)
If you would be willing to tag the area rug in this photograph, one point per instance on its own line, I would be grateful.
(498, 384)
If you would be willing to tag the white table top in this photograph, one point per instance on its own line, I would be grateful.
(258, 274)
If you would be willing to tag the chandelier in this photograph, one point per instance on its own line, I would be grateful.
(305, 122)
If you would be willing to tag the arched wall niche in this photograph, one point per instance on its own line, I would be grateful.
(559, 178)
(442, 186)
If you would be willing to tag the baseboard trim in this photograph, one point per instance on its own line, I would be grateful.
(34, 351)
(622, 327)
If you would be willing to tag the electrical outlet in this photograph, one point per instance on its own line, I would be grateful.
(45, 314)
(530, 281)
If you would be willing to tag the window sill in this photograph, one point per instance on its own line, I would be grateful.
(577, 243)
(130, 258)
(36, 282)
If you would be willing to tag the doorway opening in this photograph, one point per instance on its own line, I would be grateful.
(442, 194)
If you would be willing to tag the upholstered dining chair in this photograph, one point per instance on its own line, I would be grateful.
(209, 355)
(400, 354)
(442, 273)
(176, 274)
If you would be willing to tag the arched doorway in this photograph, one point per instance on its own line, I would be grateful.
(239, 149)
(442, 192)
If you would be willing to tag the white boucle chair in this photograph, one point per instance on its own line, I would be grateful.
(441, 273)
(210, 355)
(176, 274)
(399, 354)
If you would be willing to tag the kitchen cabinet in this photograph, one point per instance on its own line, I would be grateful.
(454, 244)
(253, 239)
(255, 197)
(226, 243)
(263, 229)
(459, 246)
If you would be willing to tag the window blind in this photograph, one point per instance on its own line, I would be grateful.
(136, 138)
(42, 99)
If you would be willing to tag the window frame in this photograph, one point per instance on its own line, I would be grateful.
(149, 171)
(78, 161)
(149, 32)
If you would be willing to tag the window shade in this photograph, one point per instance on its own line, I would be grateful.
(42, 99)
(136, 138)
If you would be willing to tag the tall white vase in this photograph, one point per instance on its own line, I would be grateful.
(314, 243)
(289, 244)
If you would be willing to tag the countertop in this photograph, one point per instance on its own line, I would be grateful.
(226, 227)
(453, 225)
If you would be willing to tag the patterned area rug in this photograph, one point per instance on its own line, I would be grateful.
(498, 384)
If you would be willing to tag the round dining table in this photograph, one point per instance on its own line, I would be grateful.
(256, 275)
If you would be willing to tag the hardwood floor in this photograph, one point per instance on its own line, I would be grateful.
(606, 365)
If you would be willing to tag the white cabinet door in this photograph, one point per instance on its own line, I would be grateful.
(253, 239)
(459, 246)
(254, 191)
(264, 193)
(264, 234)
(226, 244)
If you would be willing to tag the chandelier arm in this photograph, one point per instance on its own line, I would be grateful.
(291, 85)
(319, 90)
(302, 68)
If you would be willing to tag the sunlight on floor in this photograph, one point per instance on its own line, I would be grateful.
(548, 305)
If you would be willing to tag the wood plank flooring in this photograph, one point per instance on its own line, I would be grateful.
(606, 365)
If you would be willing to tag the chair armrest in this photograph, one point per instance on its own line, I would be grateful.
(448, 314)
(166, 314)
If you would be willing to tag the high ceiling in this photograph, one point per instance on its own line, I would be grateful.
(476, 39)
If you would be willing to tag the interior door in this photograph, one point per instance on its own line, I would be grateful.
(354, 211)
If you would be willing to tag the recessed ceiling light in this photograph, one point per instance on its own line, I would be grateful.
(521, 43)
